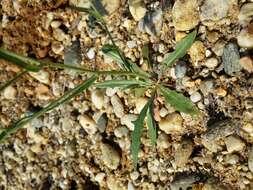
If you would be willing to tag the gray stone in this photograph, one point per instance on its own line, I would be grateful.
(72, 54)
(180, 69)
(230, 59)
(152, 22)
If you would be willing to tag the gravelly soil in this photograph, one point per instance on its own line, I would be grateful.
(58, 151)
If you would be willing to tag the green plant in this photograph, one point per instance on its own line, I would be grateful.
(129, 76)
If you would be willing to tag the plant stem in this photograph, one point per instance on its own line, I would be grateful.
(9, 82)
(122, 57)
(112, 72)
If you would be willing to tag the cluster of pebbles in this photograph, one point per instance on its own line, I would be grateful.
(85, 144)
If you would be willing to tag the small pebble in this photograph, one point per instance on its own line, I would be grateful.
(137, 9)
(91, 53)
(97, 98)
(110, 156)
(111, 91)
(88, 124)
(140, 103)
(248, 127)
(163, 141)
(234, 144)
(197, 51)
(41, 76)
(245, 37)
(221, 92)
(10, 93)
(130, 186)
(72, 54)
(128, 121)
(120, 132)
(57, 48)
(185, 18)
(211, 63)
(195, 97)
(117, 105)
(214, 10)
(152, 22)
(172, 124)
(183, 152)
(247, 64)
(180, 69)
(163, 112)
(131, 44)
(246, 13)
(230, 59)
(134, 175)
(100, 177)
(232, 159)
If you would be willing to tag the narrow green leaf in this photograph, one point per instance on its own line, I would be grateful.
(111, 51)
(10, 82)
(119, 83)
(151, 125)
(136, 134)
(146, 55)
(93, 12)
(26, 63)
(66, 97)
(181, 49)
(137, 69)
(179, 101)
(138, 92)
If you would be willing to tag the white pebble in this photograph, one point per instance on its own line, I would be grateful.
(163, 112)
(234, 143)
(172, 124)
(10, 93)
(137, 9)
(91, 53)
(195, 97)
(131, 44)
(111, 91)
(127, 120)
(211, 63)
(245, 37)
(120, 132)
(97, 98)
(100, 177)
(117, 105)
(88, 124)
(130, 186)
(41, 76)
(140, 103)
(110, 156)
(246, 13)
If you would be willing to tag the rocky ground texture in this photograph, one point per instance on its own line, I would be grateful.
(85, 144)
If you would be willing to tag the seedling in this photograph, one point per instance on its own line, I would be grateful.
(131, 77)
